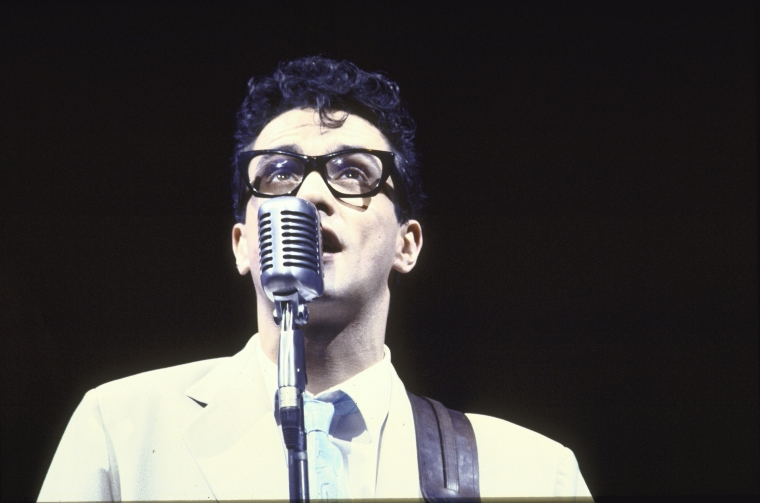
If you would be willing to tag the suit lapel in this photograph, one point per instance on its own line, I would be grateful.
(238, 447)
(235, 440)
(397, 470)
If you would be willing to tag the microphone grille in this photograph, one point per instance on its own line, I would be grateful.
(290, 248)
(265, 242)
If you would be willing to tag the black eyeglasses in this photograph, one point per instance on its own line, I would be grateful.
(356, 172)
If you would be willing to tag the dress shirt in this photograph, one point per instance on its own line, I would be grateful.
(357, 435)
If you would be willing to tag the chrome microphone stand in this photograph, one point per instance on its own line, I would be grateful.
(290, 257)
(291, 314)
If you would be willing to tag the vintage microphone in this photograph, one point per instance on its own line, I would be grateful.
(290, 253)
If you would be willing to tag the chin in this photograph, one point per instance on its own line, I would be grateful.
(327, 303)
(331, 304)
(327, 315)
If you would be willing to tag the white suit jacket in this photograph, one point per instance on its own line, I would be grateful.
(149, 437)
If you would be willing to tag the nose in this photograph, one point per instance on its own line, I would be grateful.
(314, 190)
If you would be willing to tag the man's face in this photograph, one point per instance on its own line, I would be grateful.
(362, 238)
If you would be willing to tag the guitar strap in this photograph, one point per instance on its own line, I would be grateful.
(446, 452)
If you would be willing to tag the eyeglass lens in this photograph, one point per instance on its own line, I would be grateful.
(353, 173)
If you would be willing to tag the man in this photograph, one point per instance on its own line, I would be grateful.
(208, 430)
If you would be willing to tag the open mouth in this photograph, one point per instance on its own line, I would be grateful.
(330, 243)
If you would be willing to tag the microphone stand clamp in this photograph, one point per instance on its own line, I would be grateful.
(298, 308)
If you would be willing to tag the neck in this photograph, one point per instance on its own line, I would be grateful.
(336, 349)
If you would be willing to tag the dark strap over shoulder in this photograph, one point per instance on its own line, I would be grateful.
(446, 452)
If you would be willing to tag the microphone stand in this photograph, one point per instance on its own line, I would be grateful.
(291, 313)
(290, 258)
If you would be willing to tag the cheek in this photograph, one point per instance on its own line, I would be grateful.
(253, 260)
(253, 251)
(252, 232)
(380, 243)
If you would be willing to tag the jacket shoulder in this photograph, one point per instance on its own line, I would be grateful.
(166, 380)
(177, 389)
(501, 431)
(515, 461)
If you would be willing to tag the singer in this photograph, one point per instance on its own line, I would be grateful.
(337, 137)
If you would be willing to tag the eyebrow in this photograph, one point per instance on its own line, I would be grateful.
(291, 147)
(342, 146)
(296, 149)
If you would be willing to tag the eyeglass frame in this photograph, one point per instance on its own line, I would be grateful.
(318, 163)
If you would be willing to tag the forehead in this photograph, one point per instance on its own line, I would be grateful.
(301, 129)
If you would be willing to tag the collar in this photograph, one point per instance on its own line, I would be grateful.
(370, 389)
(235, 424)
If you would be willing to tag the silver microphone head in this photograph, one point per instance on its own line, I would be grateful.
(290, 248)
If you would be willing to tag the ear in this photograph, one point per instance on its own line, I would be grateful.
(240, 249)
(408, 246)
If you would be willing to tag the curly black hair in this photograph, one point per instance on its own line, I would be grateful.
(330, 86)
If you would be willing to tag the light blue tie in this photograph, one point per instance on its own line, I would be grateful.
(327, 477)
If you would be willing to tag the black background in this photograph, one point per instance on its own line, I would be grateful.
(590, 260)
